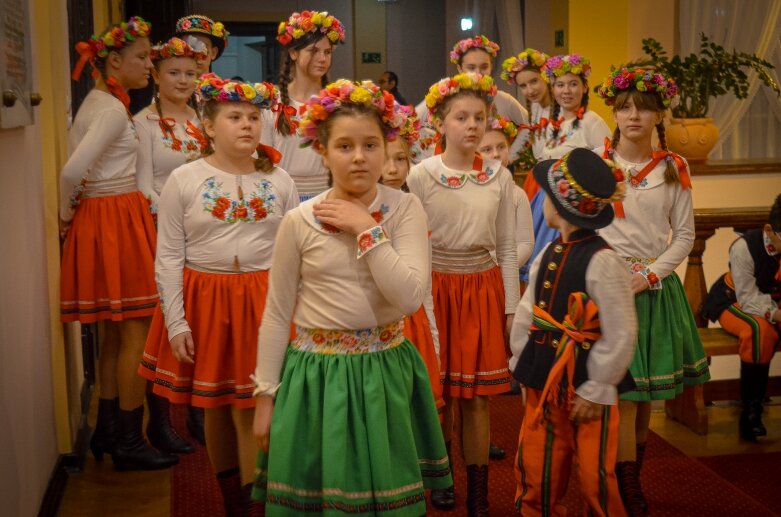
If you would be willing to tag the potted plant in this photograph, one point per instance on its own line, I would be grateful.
(710, 73)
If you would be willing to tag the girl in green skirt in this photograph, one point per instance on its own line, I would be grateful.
(658, 203)
(345, 416)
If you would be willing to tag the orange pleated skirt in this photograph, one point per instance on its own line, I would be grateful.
(470, 319)
(418, 331)
(107, 267)
(224, 313)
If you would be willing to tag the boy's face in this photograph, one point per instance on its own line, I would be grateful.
(774, 237)
(549, 211)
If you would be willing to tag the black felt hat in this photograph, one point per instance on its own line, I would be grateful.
(200, 24)
(582, 187)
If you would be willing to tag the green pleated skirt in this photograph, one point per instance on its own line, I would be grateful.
(353, 434)
(668, 352)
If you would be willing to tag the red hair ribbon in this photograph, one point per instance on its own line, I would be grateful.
(273, 155)
(167, 126)
(287, 111)
(118, 91)
(86, 55)
(579, 112)
(438, 141)
(477, 163)
(196, 133)
(680, 163)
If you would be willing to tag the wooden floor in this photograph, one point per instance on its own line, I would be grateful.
(100, 490)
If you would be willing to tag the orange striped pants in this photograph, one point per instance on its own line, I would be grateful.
(758, 338)
(544, 461)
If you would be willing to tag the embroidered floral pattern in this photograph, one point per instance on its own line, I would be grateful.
(457, 181)
(260, 204)
(378, 216)
(360, 341)
(370, 239)
(640, 266)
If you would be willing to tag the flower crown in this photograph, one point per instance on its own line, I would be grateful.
(465, 45)
(198, 23)
(444, 88)
(176, 47)
(408, 123)
(557, 66)
(345, 92)
(116, 38)
(528, 58)
(212, 87)
(504, 125)
(305, 22)
(640, 79)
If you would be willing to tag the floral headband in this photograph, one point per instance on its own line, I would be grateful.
(345, 92)
(509, 129)
(465, 45)
(557, 66)
(305, 22)
(408, 123)
(526, 59)
(176, 47)
(642, 80)
(212, 87)
(439, 91)
(116, 38)
(200, 24)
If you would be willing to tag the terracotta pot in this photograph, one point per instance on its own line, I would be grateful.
(692, 138)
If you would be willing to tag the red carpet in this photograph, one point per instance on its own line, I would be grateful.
(675, 485)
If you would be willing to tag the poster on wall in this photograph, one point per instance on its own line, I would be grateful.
(16, 108)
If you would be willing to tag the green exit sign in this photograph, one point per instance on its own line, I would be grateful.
(371, 57)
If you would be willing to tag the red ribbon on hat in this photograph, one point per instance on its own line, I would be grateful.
(86, 55)
(274, 155)
(287, 111)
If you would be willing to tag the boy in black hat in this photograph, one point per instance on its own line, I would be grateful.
(207, 31)
(745, 301)
(572, 342)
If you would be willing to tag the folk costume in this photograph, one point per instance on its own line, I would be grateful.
(573, 334)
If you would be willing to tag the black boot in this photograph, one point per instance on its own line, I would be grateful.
(477, 490)
(628, 475)
(753, 385)
(232, 495)
(251, 508)
(132, 451)
(159, 431)
(104, 438)
(195, 424)
(445, 498)
(496, 453)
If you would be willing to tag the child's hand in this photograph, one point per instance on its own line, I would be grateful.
(261, 423)
(349, 216)
(584, 410)
(183, 347)
(639, 283)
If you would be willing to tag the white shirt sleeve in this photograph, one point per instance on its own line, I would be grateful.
(524, 231)
(608, 283)
(682, 224)
(750, 298)
(506, 251)
(105, 128)
(145, 165)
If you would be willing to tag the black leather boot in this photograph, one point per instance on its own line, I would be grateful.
(159, 431)
(132, 451)
(445, 498)
(232, 496)
(477, 490)
(628, 475)
(753, 384)
(496, 453)
(104, 438)
(252, 508)
(195, 424)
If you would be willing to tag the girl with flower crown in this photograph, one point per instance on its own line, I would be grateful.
(344, 414)
(108, 253)
(658, 203)
(308, 39)
(218, 217)
(469, 202)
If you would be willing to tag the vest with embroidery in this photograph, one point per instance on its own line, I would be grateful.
(722, 295)
(562, 271)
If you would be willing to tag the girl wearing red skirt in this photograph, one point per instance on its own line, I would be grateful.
(109, 248)
(469, 203)
(218, 217)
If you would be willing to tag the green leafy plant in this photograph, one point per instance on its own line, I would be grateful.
(711, 73)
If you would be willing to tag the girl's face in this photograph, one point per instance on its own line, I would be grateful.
(235, 129)
(476, 61)
(635, 123)
(396, 168)
(175, 77)
(355, 154)
(568, 91)
(314, 60)
(494, 147)
(133, 65)
(463, 124)
(532, 86)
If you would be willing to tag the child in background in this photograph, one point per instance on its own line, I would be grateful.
(344, 414)
(469, 202)
(218, 219)
(653, 232)
(200, 28)
(572, 341)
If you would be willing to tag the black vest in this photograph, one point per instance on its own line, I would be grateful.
(722, 296)
(562, 272)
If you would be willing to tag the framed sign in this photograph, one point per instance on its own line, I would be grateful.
(16, 108)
